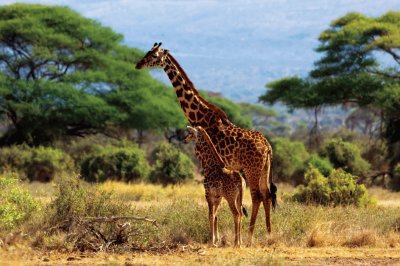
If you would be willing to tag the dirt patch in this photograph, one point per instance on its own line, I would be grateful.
(200, 255)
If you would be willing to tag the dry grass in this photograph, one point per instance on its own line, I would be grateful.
(323, 233)
(385, 197)
(151, 192)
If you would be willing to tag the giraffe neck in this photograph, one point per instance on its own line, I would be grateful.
(205, 141)
(197, 110)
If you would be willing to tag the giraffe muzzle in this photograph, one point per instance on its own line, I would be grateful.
(139, 65)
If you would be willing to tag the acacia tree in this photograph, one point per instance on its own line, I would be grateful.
(62, 74)
(349, 71)
(297, 93)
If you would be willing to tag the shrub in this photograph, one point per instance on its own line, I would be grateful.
(46, 162)
(288, 159)
(339, 188)
(121, 163)
(80, 148)
(16, 205)
(171, 165)
(36, 164)
(75, 200)
(81, 216)
(323, 165)
(345, 155)
(15, 158)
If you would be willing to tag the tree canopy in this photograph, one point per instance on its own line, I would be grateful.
(63, 74)
(233, 110)
(360, 64)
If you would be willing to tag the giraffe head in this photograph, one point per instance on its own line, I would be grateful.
(154, 58)
(192, 135)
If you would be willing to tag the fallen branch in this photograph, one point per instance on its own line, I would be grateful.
(114, 219)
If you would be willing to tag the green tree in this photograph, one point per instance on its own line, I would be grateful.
(345, 155)
(289, 160)
(57, 70)
(350, 72)
(233, 110)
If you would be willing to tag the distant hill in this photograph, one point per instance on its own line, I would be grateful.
(231, 47)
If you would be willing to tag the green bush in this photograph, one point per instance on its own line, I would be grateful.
(46, 162)
(122, 163)
(16, 205)
(171, 165)
(80, 148)
(345, 155)
(15, 158)
(37, 163)
(322, 164)
(340, 188)
(289, 160)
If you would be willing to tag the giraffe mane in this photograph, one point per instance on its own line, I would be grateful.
(213, 107)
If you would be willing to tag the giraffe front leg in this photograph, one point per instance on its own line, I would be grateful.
(211, 218)
(211, 222)
(216, 229)
(236, 211)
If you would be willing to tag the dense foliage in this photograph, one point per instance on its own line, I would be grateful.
(340, 188)
(323, 165)
(232, 110)
(35, 164)
(345, 155)
(171, 165)
(288, 160)
(349, 72)
(65, 75)
(16, 204)
(122, 163)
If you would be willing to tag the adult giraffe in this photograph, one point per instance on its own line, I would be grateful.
(241, 149)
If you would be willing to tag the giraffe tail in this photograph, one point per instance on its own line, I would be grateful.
(272, 189)
(244, 211)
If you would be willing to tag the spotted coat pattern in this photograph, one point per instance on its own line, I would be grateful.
(241, 149)
(219, 182)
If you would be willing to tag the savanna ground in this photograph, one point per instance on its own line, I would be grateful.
(302, 235)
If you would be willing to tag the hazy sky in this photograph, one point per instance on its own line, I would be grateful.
(234, 47)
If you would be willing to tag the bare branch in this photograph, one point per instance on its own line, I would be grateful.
(114, 219)
(384, 74)
(390, 51)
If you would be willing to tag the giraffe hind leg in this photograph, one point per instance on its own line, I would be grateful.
(267, 207)
(256, 201)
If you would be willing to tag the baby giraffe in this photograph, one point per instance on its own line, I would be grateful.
(218, 182)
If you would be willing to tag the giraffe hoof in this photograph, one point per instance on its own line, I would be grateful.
(212, 245)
